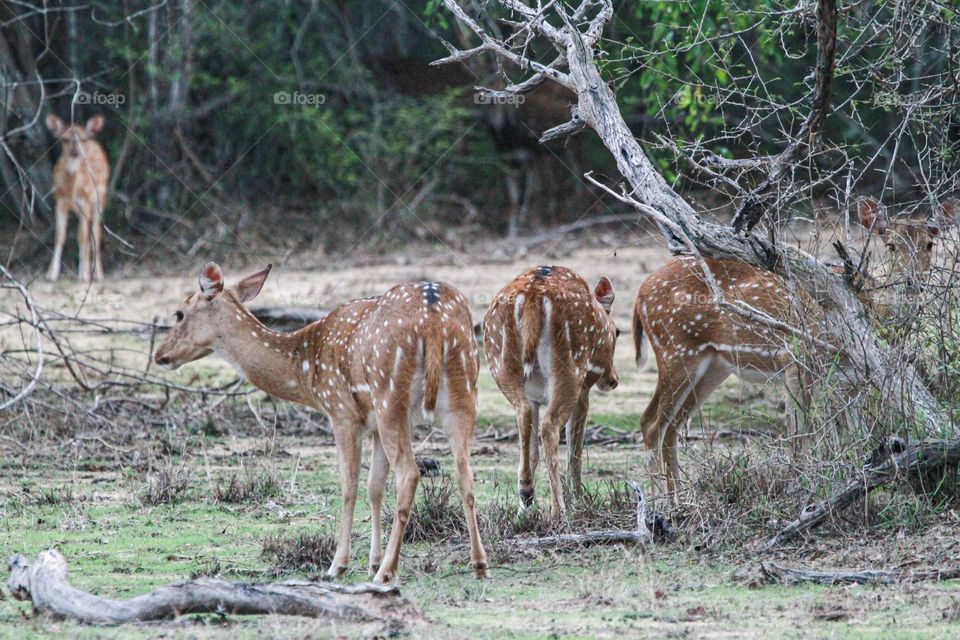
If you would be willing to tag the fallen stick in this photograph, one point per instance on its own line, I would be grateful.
(917, 461)
(790, 575)
(44, 583)
(582, 539)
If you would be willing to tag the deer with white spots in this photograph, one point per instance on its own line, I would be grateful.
(548, 340)
(698, 345)
(374, 366)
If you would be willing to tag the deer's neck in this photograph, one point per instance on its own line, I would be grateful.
(275, 362)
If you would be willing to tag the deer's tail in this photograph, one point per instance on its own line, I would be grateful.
(530, 319)
(640, 342)
(432, 371)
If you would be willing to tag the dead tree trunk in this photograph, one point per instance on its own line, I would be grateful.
(845, 328)
(44, 583)
(918, 463)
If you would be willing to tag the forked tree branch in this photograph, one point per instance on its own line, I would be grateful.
(844, 323)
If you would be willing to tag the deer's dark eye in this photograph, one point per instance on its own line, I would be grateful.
(178, 316)
(929, 246)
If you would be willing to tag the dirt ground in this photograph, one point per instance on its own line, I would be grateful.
(89, 503)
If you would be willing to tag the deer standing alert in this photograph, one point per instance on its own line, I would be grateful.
(79, 185)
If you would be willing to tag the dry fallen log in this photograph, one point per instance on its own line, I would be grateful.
(789, 575)
(44, 583)
(916, 464)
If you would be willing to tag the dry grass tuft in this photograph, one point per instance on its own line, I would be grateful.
(608, 504)
(49, 496)
(437, 513)
(166, 485)
(251, 484)
(303, 552)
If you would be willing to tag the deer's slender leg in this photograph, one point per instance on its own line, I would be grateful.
(395, 439)
(535, 438)
(97, 246)
(576, 430)
(459, 426)
(83, 243)
(525, 473)
(563, 400)
(681, 387)
(376, 484)
(710, 373)
(63, 218)
(347, 437)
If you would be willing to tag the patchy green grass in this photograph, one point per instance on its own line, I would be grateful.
(119, 545)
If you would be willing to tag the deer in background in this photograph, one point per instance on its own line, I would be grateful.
(548, 340)
(908, 242)
(374, 366)
(698, 344)
(80, 185)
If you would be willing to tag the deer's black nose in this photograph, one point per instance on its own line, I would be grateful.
(162, 360)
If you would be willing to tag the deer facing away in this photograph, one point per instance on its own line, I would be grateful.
(698, 345)
(548, 340)
(373, 366)
(80, 185)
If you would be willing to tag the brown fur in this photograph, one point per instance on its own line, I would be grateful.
(698, 345)
(80, 185)
(373, 366)
(581, 340)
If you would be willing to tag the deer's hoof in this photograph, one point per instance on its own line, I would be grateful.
(526, 496)
(337, 571)
(383, 577)
(481, 571)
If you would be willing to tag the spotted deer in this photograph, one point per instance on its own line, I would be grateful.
(909, 243)
(374, 366)
(698, 344)
(80, 185)
(548, 339)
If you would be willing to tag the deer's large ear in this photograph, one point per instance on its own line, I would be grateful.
(872, 215)
(249, 287)
(211, 280)
(604, 293)
(55, 125)
(94, 125)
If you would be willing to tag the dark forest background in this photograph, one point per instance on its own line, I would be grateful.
(304, 124)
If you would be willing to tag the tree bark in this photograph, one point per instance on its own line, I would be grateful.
(44, 583)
